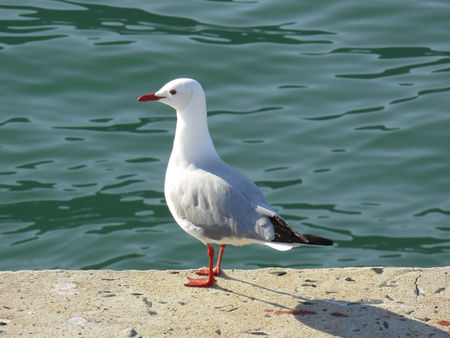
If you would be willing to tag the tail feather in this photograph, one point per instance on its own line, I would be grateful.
(285, 234)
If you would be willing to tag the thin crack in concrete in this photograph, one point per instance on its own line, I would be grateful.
(417, 291)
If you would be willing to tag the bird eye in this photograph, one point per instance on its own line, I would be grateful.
(173, 91)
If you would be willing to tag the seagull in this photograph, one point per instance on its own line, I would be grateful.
(209, 199)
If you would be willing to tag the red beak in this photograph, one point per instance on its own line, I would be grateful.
(149, 97)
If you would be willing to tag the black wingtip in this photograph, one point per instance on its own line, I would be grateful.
(317, 240)
(285, 234)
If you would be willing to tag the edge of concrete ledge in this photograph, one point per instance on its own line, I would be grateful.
(371, 301)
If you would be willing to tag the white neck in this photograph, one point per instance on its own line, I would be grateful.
(192, 144)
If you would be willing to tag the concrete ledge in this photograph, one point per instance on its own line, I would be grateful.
(358, 302)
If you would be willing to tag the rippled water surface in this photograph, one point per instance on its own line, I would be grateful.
(338, 111)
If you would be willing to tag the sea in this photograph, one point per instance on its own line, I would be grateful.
(339, 111)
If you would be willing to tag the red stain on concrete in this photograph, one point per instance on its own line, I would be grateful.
(305, 312)
(444, 322)
(292, 312)
(338, 314)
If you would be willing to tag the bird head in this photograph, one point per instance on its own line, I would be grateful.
(177, 93)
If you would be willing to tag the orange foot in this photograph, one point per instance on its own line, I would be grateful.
(200, 282)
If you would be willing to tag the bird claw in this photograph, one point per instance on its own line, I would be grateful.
(200, 282)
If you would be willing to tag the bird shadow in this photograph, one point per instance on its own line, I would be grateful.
(343, 318)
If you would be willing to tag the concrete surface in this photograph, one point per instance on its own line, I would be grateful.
(350, 302)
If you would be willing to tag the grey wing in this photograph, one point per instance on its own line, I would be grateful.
(220, 209)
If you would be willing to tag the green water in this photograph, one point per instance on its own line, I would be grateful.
(339, 111)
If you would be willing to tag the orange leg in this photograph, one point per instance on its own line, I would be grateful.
(205, 271)
(210, 280)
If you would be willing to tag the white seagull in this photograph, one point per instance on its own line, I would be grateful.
(210, 199)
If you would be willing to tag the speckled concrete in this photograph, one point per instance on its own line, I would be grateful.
(350, 302)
